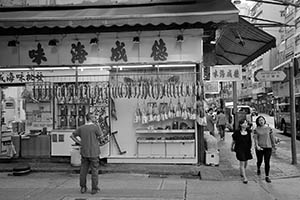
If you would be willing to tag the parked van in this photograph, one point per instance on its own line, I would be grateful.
(243, 112)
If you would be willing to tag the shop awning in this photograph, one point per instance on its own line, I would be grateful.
(241, 42)
(204, 11)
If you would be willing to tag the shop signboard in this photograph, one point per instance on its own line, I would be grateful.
(9, 77)
(112, 49)
(226, 73)
(211, 87)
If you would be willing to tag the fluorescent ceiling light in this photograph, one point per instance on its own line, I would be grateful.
(14, 69)
(175, 65)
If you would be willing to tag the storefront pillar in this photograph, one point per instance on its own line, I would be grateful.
(200, 129)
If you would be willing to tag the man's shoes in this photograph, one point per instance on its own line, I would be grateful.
(258, 172)
(245, 181)
(268, 180)
(83, 190)
(94, 191)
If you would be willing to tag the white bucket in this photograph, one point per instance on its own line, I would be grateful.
(75, 156)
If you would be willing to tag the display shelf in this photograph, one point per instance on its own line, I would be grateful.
(142, 131)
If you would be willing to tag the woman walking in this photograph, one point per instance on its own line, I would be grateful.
(241, 144)
(264, 142)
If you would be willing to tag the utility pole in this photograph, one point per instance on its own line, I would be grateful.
(293, 110)
(235, 98)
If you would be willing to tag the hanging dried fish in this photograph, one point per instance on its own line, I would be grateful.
(105, 92)
(199, 89)
(70, 93)
(167, 85)
(45, 93)
(96, 91)
(100, 92)
(184, 91)
(174, 90)
(58, 94)
(136, 88)
(177, 88)
(162, 90)
(125, 91)
(147, 88)
(190, 89)
(194, 89)
(92, 91)
(115, 91)
(141, 90)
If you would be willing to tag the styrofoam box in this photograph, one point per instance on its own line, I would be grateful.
(212, 157)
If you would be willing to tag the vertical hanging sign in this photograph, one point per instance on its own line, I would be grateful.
(226, 73)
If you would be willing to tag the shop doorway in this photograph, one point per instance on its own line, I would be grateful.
(13, 118)
(13, 108)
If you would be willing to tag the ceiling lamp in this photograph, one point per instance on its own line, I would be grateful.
(236, 1)
(180, 38)
(136, 40)
(53, 42)
(13, 43)
(94, 41)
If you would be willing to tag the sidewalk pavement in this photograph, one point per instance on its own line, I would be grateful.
(228, 168)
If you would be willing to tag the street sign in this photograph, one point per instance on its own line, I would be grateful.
(270, 76)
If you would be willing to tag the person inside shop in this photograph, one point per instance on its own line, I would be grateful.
(241, 145)
(89, 135)
(221, 122)
(264, 143)
(210, 119)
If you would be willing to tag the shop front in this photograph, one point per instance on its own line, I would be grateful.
(140, 73)
(148, 103)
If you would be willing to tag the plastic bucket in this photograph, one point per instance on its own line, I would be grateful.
(75, 156)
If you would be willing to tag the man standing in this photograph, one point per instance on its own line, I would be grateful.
(221, 123)
(89, 134)
(210, 122)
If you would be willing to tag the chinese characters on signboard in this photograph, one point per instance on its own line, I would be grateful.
(78, 52)
(37, 55)
(21, 77)
(226, 73)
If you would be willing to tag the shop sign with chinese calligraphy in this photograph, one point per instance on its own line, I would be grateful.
(20, 77)
(211, 87)
(153, 47)
(226, 73)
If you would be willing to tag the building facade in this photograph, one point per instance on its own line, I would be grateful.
(255, 93)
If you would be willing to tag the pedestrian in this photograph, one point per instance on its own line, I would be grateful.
(264, 142)
(210, 119)
(221, 122)
(242, 144)
(89, 135)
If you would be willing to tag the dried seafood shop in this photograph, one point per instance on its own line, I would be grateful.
(140, 73)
